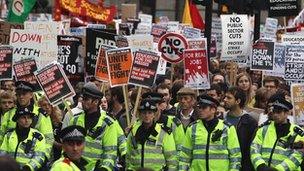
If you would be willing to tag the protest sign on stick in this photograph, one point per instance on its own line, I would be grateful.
(54, 83)
(279, 61)
(297, 97)
(101, 70)
(24, 71)
(196, 69)
(262, 56)
(294, 62)
(144, 68)
(5, 31)
(69, 56)
(119, 62)
(6, 62)
(235, 35)
(199, 43)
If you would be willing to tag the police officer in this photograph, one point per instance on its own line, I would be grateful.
(101, 138)
(210, 143)
(148, 144)
(41, 121)
(169, 122)
(73, 143)
(23, 143)
(274, 146)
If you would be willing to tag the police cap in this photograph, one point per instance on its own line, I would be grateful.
(281, 104)
(91, 90)
(73, 133)
(147, 104)
(206, 100)
(21, 111)
(24, 86)
(157, 97)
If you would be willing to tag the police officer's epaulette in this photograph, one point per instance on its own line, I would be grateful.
(227, 124)
(43, 112)
(38, 136)
(10, 130)
(108, 120)
(177, 121)
(268, 122)
(166, 129)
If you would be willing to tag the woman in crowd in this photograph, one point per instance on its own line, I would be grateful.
(244, 82)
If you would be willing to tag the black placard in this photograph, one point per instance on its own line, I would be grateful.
(281, 8)
(262, 56)
(6, 62)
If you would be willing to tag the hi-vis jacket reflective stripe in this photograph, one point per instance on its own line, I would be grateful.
(157, 152)
(64, 164)
(121, 139)
(177, 130)
(101, 141)
(43, 125)
(202, 152)
(36, 155)
(266, 145)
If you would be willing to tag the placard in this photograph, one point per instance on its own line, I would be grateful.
(279, 61)
(283, 8)
(191, 33)
(6, 62)
(119, 62)
(216, 30)
(70, 57)
(121, 41)
(172, 46)
(262, 56)
(26, 43)
(271, 27)
(94, 39)
(5, 31)
(54, 83)
(199, 43)
(236, 35)
(162, 66)
(137, 42)
(293, 38)
(101, 71)
(196, 69)
(24, 71)
(144, 68)
(49, 31)
(157, 32)
(297, 98)
(294, 62)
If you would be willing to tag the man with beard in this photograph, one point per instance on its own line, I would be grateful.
(245, 125)
(165, 90)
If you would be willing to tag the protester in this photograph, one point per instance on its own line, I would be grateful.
(271, 83)
(7, 102)
(244, 82)
(165, 90)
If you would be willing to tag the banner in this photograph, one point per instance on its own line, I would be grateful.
(70, 50)
(54, 83)
(236, 36)
(137, 42)
(279, 61)
(88, 9)
(297, 98)
(94, 39)
(19, 10)
(144, 68)
(26, 43)
(6, 62)
(49, 31)
(101, 71)
(196, 69)
(283, 8)
(24, 71)
(294, 62)
(5, 31)
(119, 63)
(262, 56)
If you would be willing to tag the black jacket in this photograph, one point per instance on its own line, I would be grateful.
(246, 128)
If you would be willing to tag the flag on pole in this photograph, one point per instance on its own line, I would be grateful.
(192, 16)
(19, 10)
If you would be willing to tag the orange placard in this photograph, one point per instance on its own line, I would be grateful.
(119, 62)
(101, 69)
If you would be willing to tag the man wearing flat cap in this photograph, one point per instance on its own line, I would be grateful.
(149, 144)
(101, 132)
(186, 100)
(73, 143)
(41, 121)
(210, 143)
(23, 143)
(274, 146)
